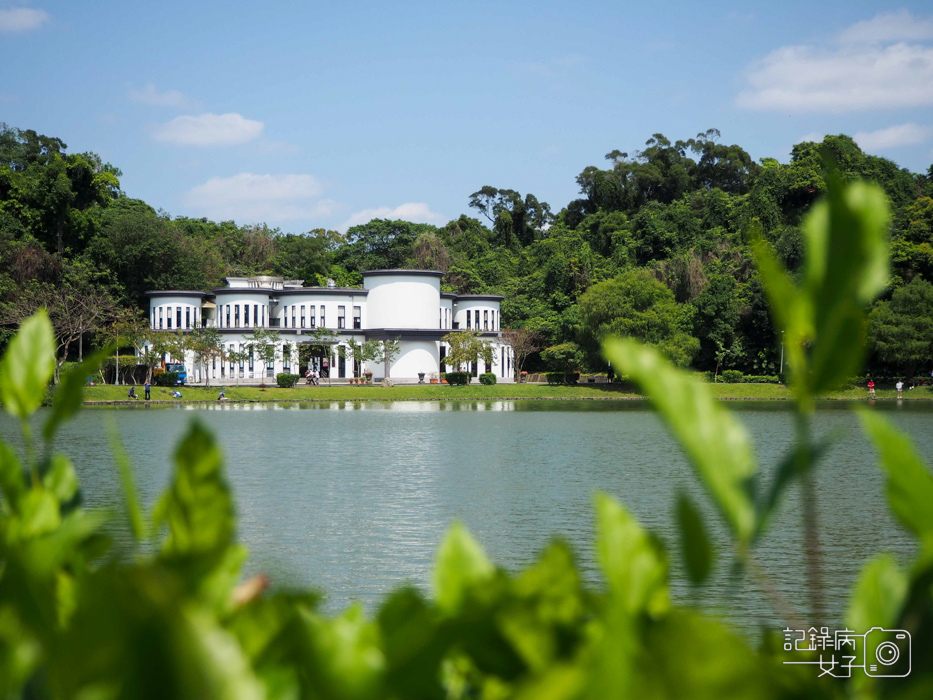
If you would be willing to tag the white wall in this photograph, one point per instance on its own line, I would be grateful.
(328, 302)
(489, 308)
(402, 301)
(242, 298)
(414, 356)
(190, 311)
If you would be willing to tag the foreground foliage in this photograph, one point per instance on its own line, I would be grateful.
(174, 619)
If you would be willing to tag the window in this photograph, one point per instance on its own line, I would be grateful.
(302, 315)
(178, 317)
(255, 314)
(293, 316)
(341, 316)
(246, 315)
(469, 320)
(168, 317)
(357, 317)
(286, 358)
(263, 315)
(236, 315)
(323, 322)
(485, 320)
(227, 309)
(313, 319)
(160, 317)
(251, 360)
(477, 319)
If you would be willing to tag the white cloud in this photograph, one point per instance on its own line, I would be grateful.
(209, 130)
(150, 96)
(21, 19)
(892, 137)
(415, 212)
(894, 26)
(254, 198)
(869, 67)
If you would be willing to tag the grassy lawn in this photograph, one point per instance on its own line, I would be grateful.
(473, 392)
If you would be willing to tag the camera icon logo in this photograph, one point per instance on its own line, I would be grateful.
(887, 653)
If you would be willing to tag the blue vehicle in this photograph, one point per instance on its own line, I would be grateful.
(179, 368)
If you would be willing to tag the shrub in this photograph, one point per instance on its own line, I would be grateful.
(458, 378)
(761, 379)
(732, 376)
(555, 377)
(285, 380)
(487, 378)
(165, 379)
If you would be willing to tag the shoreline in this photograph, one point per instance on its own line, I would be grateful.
(110, 395)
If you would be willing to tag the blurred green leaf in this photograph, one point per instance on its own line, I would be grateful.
(689, 656)
(846, 266)
(632, 561)
(715, 442)
(789, 308)
(414, 647)
(135, 635)
(878, 595)
(60, 478)
(461, 565)
(910, 484)
(794, 465)
(609, 669)
(697, 549)
(198, 507)
(134, 510)
(27, 366)
(70, 392)
(342, 658)
(39, 514)
(20, 652)
(12, 477)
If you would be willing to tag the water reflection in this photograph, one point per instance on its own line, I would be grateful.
(355, 497)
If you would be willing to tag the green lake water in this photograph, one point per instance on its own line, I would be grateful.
(353, 498)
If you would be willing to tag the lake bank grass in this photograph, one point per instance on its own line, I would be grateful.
(472, 392)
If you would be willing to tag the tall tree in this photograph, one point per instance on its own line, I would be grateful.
(901, 330)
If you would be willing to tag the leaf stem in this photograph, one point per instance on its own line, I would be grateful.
(810, 517)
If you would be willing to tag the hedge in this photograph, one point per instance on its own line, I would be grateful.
(487, 378)
(285, 380)
(165, 379)
(458, 378)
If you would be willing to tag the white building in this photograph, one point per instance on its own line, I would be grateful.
(407, 305)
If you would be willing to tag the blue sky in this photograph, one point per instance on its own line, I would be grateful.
(309, 114)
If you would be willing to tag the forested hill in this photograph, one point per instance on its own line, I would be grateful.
(655, 247)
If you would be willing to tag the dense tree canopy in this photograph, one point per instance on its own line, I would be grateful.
(656, 246)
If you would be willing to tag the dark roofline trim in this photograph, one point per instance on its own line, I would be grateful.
(407, 273)
(317, 291)
(176, 293)
(480, 297)
(448, 295)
